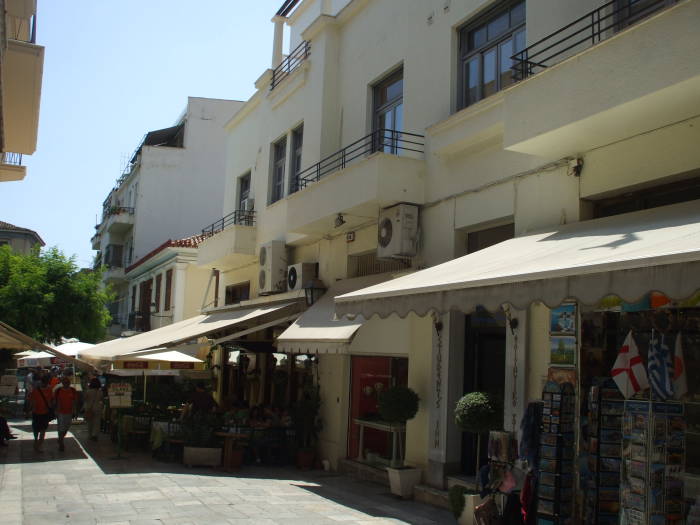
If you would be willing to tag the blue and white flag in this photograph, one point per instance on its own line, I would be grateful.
(660, 365)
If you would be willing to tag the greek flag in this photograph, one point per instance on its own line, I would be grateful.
(660, 369)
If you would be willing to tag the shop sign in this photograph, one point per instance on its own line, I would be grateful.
(58, 361)
(140, 365)
(179, 365)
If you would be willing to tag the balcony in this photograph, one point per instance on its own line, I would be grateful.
(11, 167)
(290, 64)
(232, 241)
(384, 168)
(95, 241)
(119, 219)
(23, 66)
(609, 75)
(113, 274)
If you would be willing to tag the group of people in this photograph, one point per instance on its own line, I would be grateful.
(50, 396)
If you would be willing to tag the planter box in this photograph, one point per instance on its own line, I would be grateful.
(402, 480)
(470, 502)
(201, 457)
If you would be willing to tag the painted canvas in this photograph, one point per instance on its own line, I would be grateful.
(562, 350)
(563, 319)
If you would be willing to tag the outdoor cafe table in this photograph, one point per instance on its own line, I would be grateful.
(396, 429)
(230, 440)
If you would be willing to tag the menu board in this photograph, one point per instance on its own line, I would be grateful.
(119, 395)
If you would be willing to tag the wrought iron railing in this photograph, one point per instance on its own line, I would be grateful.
(384, 140)
(21, 28)
(239, 217)
(290, 63)
(13, 159)
(596, 26)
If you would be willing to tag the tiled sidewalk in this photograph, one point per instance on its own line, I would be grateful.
(85, 485)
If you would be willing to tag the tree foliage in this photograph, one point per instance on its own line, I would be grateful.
(46, 296)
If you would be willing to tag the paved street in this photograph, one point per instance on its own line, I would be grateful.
(85, 484)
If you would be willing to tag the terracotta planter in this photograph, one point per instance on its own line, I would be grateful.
(305, 458)
(403, 480)
(201, 457)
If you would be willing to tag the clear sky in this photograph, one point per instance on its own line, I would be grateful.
(113, 70)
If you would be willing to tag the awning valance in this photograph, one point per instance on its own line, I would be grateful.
(317, 330)
(185, 330)
(626, 255)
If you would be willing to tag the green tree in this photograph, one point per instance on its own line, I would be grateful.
(46, 296)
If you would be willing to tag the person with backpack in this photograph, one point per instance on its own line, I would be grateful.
(41, 400)
(66, 398)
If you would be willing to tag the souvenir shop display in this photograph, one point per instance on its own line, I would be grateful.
(605, 409)
(556, 463)
(653, 458)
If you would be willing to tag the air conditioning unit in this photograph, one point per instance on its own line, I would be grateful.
(248, 204)
(272, 276)
(398, 231)
(300, 274)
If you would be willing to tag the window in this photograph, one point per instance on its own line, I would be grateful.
(368, 264)
(168, 289)
(632, 11)
(243, 190)
(388, 112)
(159, 278)
(133, 298)
(297, 143)
(481, 239)
(278, 166)
(485, 48)
(236, 293)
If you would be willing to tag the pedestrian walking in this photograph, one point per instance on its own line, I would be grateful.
(40, 401)
(66, 401)
(93, 408)
(28, 387)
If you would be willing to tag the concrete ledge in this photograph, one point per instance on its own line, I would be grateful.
(431, 496)
(363, 471)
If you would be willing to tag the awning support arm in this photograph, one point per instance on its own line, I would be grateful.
(256, 328)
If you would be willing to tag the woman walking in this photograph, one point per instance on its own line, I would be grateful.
(41, 399)
(93, 407)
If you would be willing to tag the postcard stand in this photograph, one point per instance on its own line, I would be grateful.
(653, 459)
(605, 409)
(556, 478)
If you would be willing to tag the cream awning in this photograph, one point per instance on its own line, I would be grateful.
(317, 330)
(13, 339)
(185, 330)
(171, 356)
(626, 255)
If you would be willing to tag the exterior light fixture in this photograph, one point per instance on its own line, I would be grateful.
(313, 290)
(339, 220)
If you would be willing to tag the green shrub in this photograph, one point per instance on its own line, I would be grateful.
(398, 404)
(456, 496)
(476, 412)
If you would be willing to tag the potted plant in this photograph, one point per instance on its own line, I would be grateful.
(200, 444)
(307, 425)
(398, 404)
(462, 504)
(478, 413)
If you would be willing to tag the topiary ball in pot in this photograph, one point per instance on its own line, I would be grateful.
(476, 412)
(398, 404)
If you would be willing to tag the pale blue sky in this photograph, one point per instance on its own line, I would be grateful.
(113, 70)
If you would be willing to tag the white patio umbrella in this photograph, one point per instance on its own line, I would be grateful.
(73, 348)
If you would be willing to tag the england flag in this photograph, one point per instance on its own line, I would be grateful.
(628, 370)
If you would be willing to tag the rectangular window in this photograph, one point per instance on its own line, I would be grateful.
(243, 190)
(133, 298)
(297, 143)
(236, 293)
(485, 50)
(279, 158)
(388, 113)
(159, 279)
(168, 290)
(368, 264)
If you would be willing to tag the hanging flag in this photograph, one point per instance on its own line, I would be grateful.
(680, 378)
(660, 368)
(628, 370)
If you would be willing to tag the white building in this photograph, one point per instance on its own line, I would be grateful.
(171, 186)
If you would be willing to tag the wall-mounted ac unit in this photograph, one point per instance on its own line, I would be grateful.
(248, 204)
(272, 276)
(398, 231)
(300, 274)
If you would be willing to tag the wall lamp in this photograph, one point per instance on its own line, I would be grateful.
(313, 290)
(339, 220)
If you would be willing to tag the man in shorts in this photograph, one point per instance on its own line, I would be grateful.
(66, 398)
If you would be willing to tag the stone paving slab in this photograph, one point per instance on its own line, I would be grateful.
(86, 485)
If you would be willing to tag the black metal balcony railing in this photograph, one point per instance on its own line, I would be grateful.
(239, 217)
(116, 210)
(384, 140)
(596, 26)
(291, 63)
(20, 28)
(13, 159)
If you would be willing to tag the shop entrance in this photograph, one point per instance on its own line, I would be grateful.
(484, 371)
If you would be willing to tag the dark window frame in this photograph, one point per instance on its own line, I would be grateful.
(244, 184)
(235, 293)
(279, 166)
(297, 148)
(159, 281)
(381, 106)
(466, 53)
(168, 290)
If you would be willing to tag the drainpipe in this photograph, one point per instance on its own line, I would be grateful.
(278, 40)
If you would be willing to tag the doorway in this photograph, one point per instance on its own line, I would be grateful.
(484, 371)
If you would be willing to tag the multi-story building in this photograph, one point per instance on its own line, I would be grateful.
(21, 240)
(171, 185)
(21, 71)
(488, 121)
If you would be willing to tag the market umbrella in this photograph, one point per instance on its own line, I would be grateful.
(73, 348)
